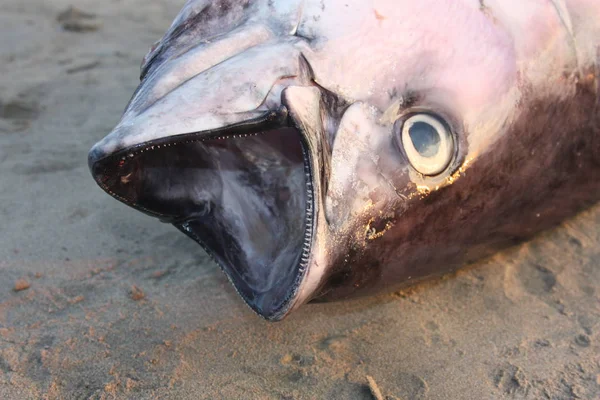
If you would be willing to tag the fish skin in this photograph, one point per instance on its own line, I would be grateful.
(517, 82)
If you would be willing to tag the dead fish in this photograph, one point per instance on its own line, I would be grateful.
(324, 149)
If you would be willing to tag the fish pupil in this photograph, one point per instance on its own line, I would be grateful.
(425, 139)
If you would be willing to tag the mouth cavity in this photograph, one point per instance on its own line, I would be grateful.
(244, 194)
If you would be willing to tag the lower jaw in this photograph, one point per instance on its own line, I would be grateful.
(246, 198)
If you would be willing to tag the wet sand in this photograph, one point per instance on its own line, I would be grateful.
(100, 301)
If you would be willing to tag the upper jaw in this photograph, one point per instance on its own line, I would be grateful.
(242, 87)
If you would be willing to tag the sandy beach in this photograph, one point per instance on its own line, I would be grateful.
(99, 301)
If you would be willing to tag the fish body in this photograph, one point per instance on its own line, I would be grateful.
(325, 149)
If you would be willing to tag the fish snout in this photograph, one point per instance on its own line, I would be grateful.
(219, 157)
(206, 143)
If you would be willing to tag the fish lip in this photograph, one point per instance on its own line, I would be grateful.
(270, 120)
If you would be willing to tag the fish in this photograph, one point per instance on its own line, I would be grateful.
(321, 150)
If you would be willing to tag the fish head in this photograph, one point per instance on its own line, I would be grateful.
(307, 145)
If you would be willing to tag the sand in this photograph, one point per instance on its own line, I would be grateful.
(100, 301)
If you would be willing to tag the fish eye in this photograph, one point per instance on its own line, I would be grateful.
(428, 143)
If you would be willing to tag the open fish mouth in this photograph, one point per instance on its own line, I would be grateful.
(244, 192)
